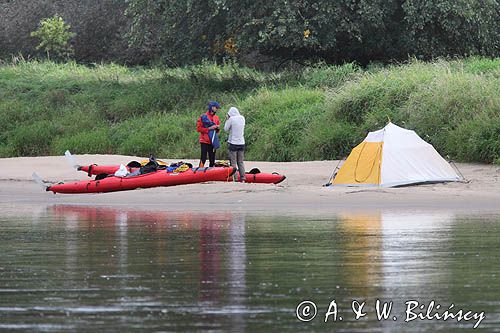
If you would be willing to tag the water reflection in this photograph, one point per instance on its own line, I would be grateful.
(184, 247)
(412, 244)
(361, 236)
(110, 268)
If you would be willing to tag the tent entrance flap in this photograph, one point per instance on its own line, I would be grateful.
(362, 166)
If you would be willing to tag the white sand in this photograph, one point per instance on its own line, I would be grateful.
(301, 192)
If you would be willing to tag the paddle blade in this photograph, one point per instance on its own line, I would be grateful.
(71, 159)
(37, 179)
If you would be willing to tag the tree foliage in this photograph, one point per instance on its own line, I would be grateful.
(335, 31)
(178, 31)
(54, 36)
(256, 31)
(459, 27)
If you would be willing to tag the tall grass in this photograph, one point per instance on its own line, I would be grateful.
(321, 112)
(447, 103)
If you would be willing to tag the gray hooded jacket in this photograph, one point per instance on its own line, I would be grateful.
(235, 125)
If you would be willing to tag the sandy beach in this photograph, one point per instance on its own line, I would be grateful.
(301, 192)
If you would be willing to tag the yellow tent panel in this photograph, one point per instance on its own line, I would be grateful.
(362, 166)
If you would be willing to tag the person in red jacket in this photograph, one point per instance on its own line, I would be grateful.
(206, 144)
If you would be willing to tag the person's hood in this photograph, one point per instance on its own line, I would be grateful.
(233, 112)
(212, 104)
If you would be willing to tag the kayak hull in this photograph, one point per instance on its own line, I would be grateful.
(261, 178)
(153, 179)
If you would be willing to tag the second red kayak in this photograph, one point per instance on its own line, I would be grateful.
(255, 176)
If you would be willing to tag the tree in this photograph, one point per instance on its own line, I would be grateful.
(54, 36)
(456, 28)
(335, 31)
(180, 32)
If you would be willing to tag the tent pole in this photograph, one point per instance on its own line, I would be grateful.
(458, 170)
(333, 173)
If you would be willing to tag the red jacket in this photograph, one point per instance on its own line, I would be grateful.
(203, 130)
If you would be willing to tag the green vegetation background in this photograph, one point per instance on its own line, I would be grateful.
(315, 113)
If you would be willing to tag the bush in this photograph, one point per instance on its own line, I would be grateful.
(277, 122)
(475, 140)
(32, 139)
(329, 76)
(454, 110)
(92, 142)
(54, 36)
(161, 135)
(331, 139)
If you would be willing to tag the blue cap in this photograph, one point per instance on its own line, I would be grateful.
(212, 104)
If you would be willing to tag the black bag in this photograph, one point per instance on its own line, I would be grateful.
(151, 166)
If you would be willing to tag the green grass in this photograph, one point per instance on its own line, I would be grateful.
(321, 112)
(446, 103)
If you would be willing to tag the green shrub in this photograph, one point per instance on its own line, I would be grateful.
(475, 140)
(453, 109)
(277, 122)
(476, 65)
(7, 151)
(329, 76)
(330, 139)
(54, 36)
(171, 136)
(33, 139)
(92, 142)
(455, 103)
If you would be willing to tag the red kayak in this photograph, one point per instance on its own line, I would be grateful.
(95, 169)
(152, 179)
(254, 176)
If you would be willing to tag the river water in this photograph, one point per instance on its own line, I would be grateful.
(78, 268)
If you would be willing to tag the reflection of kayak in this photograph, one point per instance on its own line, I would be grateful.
(153, 179)
(254, 176)
(157, 221)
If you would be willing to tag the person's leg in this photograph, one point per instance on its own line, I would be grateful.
(204, 152)
(232, 161)
(241, 166)
(211, 155)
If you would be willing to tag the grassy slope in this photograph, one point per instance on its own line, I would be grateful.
(320, 113)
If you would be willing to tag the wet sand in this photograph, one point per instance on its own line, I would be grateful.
(301, 192)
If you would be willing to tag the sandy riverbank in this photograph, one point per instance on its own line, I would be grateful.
(302, 191)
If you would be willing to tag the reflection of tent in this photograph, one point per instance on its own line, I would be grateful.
(393, 156)
(395, 252)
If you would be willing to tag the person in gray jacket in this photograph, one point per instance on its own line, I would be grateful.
(235, 125)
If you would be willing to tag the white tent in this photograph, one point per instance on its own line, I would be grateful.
(393, 156)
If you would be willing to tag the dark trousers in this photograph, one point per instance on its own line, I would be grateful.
(209, 150)
(236, 157)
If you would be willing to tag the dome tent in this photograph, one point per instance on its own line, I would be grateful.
(393, 156)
